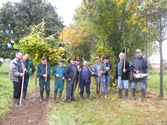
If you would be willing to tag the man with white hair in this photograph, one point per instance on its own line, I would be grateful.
(122, 74)
(138, 65)
(85, 79)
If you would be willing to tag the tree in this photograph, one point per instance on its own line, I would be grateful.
(17, 18)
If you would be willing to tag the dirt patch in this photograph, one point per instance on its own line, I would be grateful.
(33, 112)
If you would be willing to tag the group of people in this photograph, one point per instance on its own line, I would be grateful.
(74, 73)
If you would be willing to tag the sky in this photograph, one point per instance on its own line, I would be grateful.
(66, 9)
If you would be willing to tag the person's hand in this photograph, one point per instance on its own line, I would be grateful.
(57, 75)
(69, 79)
(101, 72)
(63, 78)
(124, 70)
(137, 71)
(21, 74)
(79, 69)
(24, 69)
(45, 75)
(93, 73)
(107, 68)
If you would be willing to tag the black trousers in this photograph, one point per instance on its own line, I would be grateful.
(17, 89)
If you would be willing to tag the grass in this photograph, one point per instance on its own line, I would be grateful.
(105, 111)
(154, 83)
(5, 67)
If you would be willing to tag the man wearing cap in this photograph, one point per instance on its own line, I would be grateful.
(44, 70)
(138, 65)
(70, 74)
(122, 75)
(100, 73)
(59, 79)
(31, 69)
(77, 63)
(85, 79)
(108, 68)
(16, 69)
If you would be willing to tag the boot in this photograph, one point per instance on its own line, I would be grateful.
(126, 94)
(55, 95)
(41, 95)
(59, 96)
(98, 95)
(143, 95)
(47, 96)
(18, 101)
(87, 96)
(24, 96)
(120, 93)
(133, 94)
(81, 96)
(15, 103)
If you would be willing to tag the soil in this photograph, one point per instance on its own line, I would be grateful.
(33, 112)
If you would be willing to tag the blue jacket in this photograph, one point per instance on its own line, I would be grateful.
(41, 71)
(58, 71)
(88, 75)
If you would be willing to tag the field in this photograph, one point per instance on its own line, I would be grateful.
(94, 111)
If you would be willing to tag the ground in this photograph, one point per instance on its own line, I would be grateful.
(93, 111)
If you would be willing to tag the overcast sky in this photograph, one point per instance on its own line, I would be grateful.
(65, 9)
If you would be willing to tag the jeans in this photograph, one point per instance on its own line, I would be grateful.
(142, 85)
(26, 79)
(122, 83)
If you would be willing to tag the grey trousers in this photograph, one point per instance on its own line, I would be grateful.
(70, 88)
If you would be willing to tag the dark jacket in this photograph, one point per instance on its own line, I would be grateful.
(88, 75)
(138, 64)
(125, 76)
(69, 72)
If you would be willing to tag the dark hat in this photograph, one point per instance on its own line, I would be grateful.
(77, 59)
(61, 60)
(43, 58)
(73, 59)
(138, 51)
(106, 57)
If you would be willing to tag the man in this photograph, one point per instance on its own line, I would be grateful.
(43, 70)
(85, 79)
(77, 63)
(122, 75)
(138, 65)
(16, 69)
(59, 79)
(108, 68)
(100, 71)
(70, 74)
(28, 64)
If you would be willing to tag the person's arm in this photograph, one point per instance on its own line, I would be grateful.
(127, 67)
(48, 69)
(103, 68)
(39, 71)
(131, 67)
(54, 71)
(145, 67)
(94, 70)
(13, 70)
(66, 71)
(32, 67)
(111, 66)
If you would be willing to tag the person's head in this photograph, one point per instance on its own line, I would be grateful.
(43, 60)
(61, 62)
(106, 59)
(19, 55)
(121, 56)
(97, 59)
(138, 53)
(85, 63)
(72, 61)
(77, 62)
(25, 57)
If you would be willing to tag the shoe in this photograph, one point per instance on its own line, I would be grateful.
(126, 94)
(120, 94)
(68, 101)
(133, 94)
(73, 99)
(143, 95)
(47, 96)
(55, 95)
(24, 96)
(87, 96)
(81, 96)
(41, 97)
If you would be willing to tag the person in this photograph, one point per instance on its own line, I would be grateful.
(70, 74)
(78, 64)
(28, 64)
(59, 79)
(16, 72)
(108, 68)
(99, 72)
(122, 75)
(44, 70)
(85, 79)
(138, 65)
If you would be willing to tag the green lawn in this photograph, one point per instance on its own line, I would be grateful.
(4, 67)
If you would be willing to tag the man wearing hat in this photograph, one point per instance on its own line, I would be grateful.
(59, 79)
(70, 74)
(108, 68)
(138, 65)
(99, 71)
(44, 70)
(122, 75)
